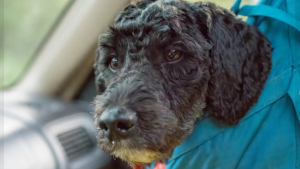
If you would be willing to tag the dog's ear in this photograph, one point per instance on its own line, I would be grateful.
(240, 64)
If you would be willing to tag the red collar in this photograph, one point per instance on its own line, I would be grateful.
(137, 166)
(158, 165)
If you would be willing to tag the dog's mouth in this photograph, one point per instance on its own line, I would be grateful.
(130, 150)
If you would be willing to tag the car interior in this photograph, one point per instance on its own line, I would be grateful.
(47, 107)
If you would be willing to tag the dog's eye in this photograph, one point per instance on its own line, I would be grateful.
(114, 64)
(173, 55)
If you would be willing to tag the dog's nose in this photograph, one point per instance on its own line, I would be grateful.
(117, 123)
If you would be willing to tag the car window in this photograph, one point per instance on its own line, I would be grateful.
(27, 25)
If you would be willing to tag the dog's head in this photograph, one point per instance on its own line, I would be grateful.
(162, 63)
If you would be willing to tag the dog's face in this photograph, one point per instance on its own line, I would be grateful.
(162, 63)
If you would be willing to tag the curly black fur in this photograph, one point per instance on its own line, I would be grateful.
(224, 67)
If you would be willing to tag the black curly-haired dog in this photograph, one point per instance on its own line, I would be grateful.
(162, 63)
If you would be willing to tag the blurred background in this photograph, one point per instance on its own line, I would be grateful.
(47, 81)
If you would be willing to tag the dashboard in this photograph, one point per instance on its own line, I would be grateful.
(47, 133)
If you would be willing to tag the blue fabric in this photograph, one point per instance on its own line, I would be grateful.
(269, 135)
(264, 10)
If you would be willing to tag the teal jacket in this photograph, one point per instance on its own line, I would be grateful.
(269, 135)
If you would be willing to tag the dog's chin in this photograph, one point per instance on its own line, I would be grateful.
(141, 156)
(132, 155)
